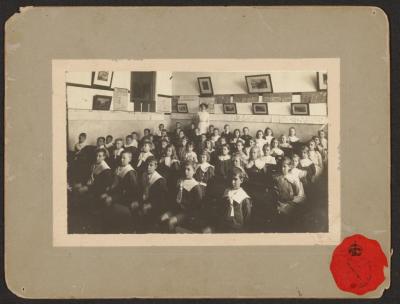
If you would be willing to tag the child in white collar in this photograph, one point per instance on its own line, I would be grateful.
(260, 141)
(292, 135)
(189, 201)
(135, 141)
(284, 142)
(275, 150)
(215, 136)
(299, 173)
(144, 155)
(81, 143)
(190, 154)
(109, 141)
(269, 135)
(205, 171)
(268, 158)
(236, 205)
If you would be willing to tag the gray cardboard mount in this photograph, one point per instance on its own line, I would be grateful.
(36, 269)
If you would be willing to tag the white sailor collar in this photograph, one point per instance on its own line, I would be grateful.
(238, 195)
(188, 184)
(122, 171)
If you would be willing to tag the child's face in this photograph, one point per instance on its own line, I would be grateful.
(100, 142)
(225, 151)
(181, 134)
(189, 171)
(184, 142)
(160, 127)
(82, 139)
(203, 137)
(253, 153)
(108, 140)
(245, 131)
(169, 152)
(125, 159)
(192, 126)
(223, 140)
(128, 141)
(239, 146)
(146, 132)
(267, 151)
(226, 128)
(190, 148)
(252, 143)
(322, 134)
(269, 132)
(216, 132)
(259, 134)
(311, 145)
(118, 144)
(151, 168)
(275, 144)
(237, 133)
(100, 157)
(236, 182)
(304, 154)
(197, 131)
(292, 132)
(146, 148)
(295, 162)
(164, 133)
(208, 145)
(164, 144)
(236, 162)
(317, 140)
(134, 136)
(285, 168)
(284, 139)
(178, 125)
(211, 129)
(203, 158)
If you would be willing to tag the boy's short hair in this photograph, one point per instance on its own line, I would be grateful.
(164, 130)
(101, 137)
(295, 156)
(151, 159)
(286, 160)
(127, 152)
(226, 126)
(146, 129)
(134, 133)
(147, 142)
(161, 124)
(204, 152)
(190, 143)
(119, 139)
(304, 148)
(101, 150)
(188, 163)
(109, 136)
(225, 145)
(267, 145)
(244, 128)
(238, 172)
(82, 135)
(129, 136)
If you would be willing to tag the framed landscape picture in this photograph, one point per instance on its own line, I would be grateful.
(322, 80)
(259, 84)
(205, 86)
(260, 108)
(229, 108)
(299, 108)
(102, 78)
(101, 102)
(182, 108)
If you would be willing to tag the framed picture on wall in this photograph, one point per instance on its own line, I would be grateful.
(205, 86)
(297, 108)
(229, 108)
(260, 108)
(322, 81)
(182, 108)
(101, 102)
(259, 84)
(102, 78)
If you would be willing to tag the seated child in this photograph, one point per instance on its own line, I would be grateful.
(306, 164)
(215, 136)
(250, 144)
(227, 133)
(296, 171)
(268, 158)
(269, 135)
(81, 143)
(100, 178)
(237, 162)
(320, 148)
(169, 168)
(223, 164)
(292, 136)
(190, 154)
(146, 136)
(246, 135)
(316, 158)
(288, 189)
(181, 151)
(188, 202)
(275, 150)
(115, 153)
(109, 142)
(130, 146)
(160, 148)
(158, 132)
(323, 139)
(255, 169)
(240, 150)
(210, 131)
(236, 205)
(135, 139)
(205, 171)
(285, 146)
(153, 201)
(260, 141)
(209, 148)
(146, 148)
(123, 192)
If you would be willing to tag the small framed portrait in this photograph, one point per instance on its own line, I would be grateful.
(205, 86)
(260, 108)
(102, 78)
(182, 108)
(229, 108)
(101, 102)
(297, 108)
(258, 84)
(322, 81)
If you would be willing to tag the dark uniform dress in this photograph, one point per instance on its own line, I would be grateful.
(223, 168)
(124, 191)
(114, 159)
(135, 153)
(170, 170)
(141, 162)
(235, 211)
(154, 196)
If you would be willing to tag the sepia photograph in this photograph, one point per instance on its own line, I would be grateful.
(259, 84)
(186, 170)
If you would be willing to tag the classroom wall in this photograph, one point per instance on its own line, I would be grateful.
(185, 83)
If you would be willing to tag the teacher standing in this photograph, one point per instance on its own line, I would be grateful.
(203, 118)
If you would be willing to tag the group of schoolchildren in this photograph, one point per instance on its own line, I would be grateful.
(185, 181)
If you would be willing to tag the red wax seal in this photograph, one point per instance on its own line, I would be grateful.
(357, 264)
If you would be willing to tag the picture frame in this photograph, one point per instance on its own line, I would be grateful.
(182, 108)
(205, 86)
(322, 81)
(259, 84)
(260, 108)
(229, 108)
(101, 102)
(102, 78)
(299, 108)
